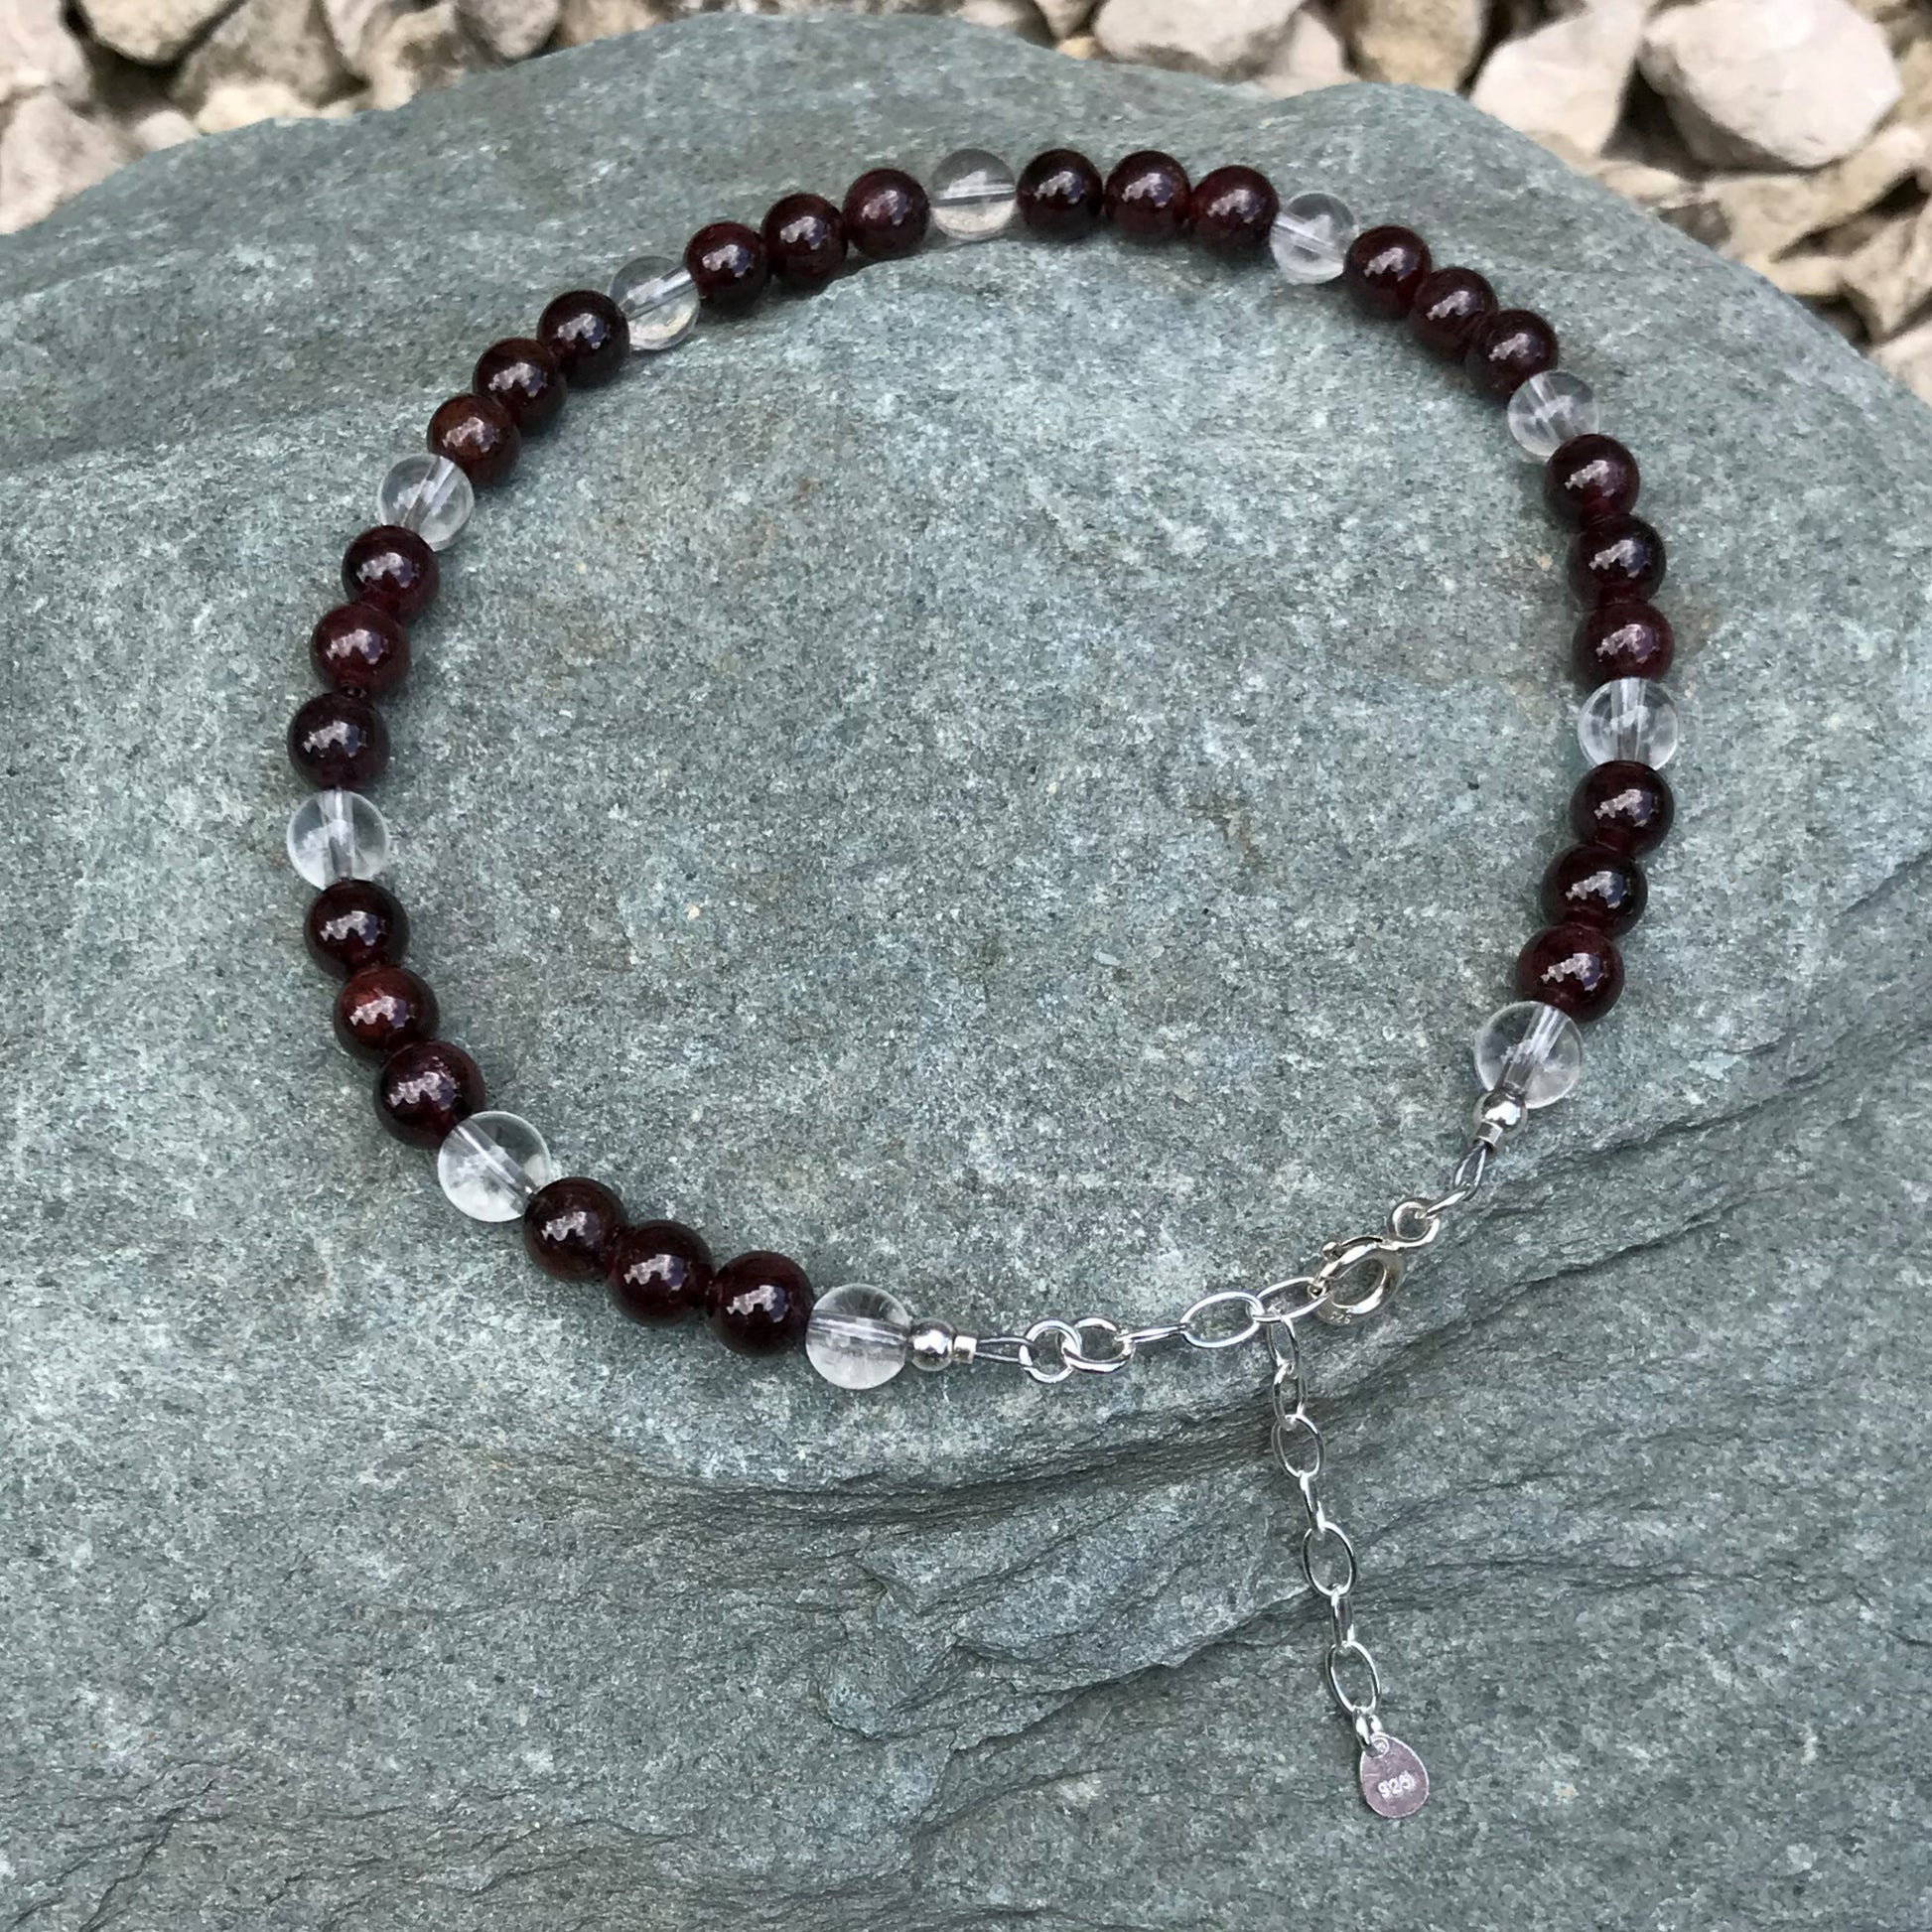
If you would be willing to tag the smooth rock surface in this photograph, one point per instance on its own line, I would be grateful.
(1311, 55)
(284, 44)
(1232, 37)
(151, 31)
(48, 152)
(1771, 84)
(1430, 43)
(511, 29)
(1562, 85)
(38, 53)
(1016, 780)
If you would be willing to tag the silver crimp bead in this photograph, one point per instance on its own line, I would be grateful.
(934, 1346)
(1498, 1114)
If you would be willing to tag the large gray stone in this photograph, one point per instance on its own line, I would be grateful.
(1017, 777)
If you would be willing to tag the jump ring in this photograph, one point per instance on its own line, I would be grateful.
(1059, 1366)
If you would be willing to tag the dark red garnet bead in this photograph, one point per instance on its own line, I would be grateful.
(886, 214)
(726, 262)
(1508, 350)
(1591, 884)
(1623, 804)
(523, 376)
(1589, 478)
(1233, 209)
(382, 1008)
(1615, 560)
(586, 332)
(1625, 638)
(425, 1088)
(391, 568)
(571, 1226)
(357, 647)
(355, 924)
(1383, 269)
(478, 434)
(804, 240)
(1061, 194)
(1448, 307)
(339, 741)
(1574, 968)
(1146, 195)
(660, 1272)
(759, 1303)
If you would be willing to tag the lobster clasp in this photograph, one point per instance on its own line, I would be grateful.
(1356, 1277)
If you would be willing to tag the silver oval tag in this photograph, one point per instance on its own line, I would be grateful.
(1393, 1780)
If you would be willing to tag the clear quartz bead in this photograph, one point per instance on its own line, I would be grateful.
(1548, 409)
(659, 301)
(859, 1337)
(1310, 237)
(1629, 718)
(491, 1163)
(973, 196)
(427, 494)
(336, 835)
(1531, 1050)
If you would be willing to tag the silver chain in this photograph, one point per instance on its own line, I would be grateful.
(1353, 1279)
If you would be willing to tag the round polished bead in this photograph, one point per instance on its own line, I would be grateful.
(1623, 804)
(858, 1336)
(1384, 267)
(804, 240)
(523, 375)
(334, 835)
(491, 1163)
(1615, 560)
(1590, 477)
(1233, 209)
(478, 434)
(1625, 638)
(1448, 307)
(1146, 195)
(355, 924)
(1312, 237)
(357, 647)
(1629, 718)
(1574, 968)
(660, 1272)
(337, 742)
(886, 214)
(1547, 410)
(659, 301)
(571, 1226)
(1061, 194)
(1530, 1052)
(382, 1008)
(427, 494)
(423, 1090)
(586, 333)
(759, 1303)
(1591, 885)
(727, 265)
(1508, 350)
(973, 196)
(391, 568)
